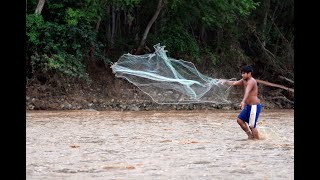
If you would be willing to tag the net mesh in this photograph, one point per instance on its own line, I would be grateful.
(169, 81)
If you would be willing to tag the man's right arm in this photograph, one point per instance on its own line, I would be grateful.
(231, 83)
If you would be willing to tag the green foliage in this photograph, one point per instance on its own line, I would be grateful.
(62, 37)
(34, 26)
(214, 57)
(61, 63)
(124, 3)
(59, 45)
(236, 55)
(130, 3)
(217, 13)
(178, 40)
(92, 11)
(245, 7)
(65, 45)
(74, 16)
(212, 13)
(175, 4)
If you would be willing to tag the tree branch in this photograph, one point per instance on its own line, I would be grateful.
(282, 97)
(291, 81)
(263, 47)
(39, 6)
(274, 85)
(153, 19)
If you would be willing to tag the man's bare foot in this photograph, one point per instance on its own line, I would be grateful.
(249, 135)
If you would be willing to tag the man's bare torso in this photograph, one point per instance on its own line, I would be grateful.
(253, 94)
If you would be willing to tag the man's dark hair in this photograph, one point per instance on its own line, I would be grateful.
(247, 69)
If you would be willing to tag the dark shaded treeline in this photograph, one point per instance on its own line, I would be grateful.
(76, 39)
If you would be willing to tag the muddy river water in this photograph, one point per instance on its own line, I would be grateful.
(88, 144)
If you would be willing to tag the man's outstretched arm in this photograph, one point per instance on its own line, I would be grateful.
(231, 83)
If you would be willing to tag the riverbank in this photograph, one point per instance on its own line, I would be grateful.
(118, 94)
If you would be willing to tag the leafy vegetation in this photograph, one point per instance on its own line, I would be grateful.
(68, 35)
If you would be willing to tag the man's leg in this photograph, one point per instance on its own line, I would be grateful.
(245, 128)
(254, 114)
(255, 133)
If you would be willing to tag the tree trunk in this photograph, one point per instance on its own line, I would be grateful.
(153, 19)
(274, 85)
(93, 47)
(265, 19)
(202, 34)
(113, 26)
(39, 6)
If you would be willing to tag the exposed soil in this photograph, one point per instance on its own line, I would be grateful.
(109, 93)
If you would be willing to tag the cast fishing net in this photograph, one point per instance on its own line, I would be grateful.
(169, 81)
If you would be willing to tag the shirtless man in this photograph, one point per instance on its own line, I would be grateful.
(250, 104)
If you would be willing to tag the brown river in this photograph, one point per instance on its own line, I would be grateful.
(88, 144)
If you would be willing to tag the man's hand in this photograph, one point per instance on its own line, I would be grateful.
(242, 105)
(222, 81)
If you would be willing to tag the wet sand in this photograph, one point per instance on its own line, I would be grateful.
(88, 144)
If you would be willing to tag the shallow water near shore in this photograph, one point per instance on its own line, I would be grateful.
(88, 144)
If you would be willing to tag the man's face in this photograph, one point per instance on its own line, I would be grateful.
(244, 75)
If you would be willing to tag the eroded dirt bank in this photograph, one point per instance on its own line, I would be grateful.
(118, 94)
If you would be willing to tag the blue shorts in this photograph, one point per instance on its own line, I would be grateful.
(250, 114)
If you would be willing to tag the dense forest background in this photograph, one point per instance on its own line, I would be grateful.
(71, 44)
